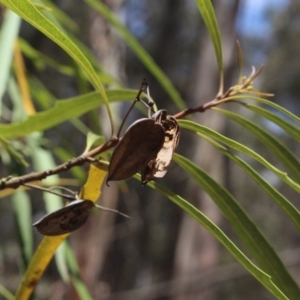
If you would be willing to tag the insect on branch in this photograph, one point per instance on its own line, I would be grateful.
(243, 87)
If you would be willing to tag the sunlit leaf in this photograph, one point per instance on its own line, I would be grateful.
(31, 14)
(63, 111)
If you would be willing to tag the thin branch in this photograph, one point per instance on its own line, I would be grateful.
(15, 182)
(238, 89)
(137, 99)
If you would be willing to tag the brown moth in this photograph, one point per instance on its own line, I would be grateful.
(140, 144)
(147, 147)
(66, 219)
(158, 167)
(69, 218)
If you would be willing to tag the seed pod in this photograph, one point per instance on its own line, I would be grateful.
(66, 219)
(157, 167)
(140, 144)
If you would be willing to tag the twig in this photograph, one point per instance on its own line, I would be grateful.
(15, 182)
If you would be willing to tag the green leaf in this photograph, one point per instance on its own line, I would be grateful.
(16, 155)
(9, 33)
(262, 277)
(22, 208)
(287, 126)
(282, 202)
(247, 231)
(79, 285)
(207, 11)
(239, 147)
(269, 103)
(81, 288)
(31, 14)
(7, 295)
(43, 160)
(40, 59)
(139, 51)
(61, 17)
(63, 111)
(93, 140)
(285, 156)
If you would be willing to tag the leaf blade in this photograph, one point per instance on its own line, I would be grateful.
(207, 11)
(32, 15)
(221, 237)
(62, 111)
(247, 231)
(276, 147)
(239, 147)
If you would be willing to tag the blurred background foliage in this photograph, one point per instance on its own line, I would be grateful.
(161, 253)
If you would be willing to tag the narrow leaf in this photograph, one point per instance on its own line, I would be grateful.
(281, 109)
(7, 295)
(31, 14)
(63, 111)
(282, 202)
(237, 146)
(247, 231)
(9, 33)
(287, 126)
(261, 276)
(16, 155)
(81, 289)
(277, 148)
(207, 11)
(22, 208)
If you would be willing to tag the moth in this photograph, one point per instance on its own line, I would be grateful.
(69, 218)
(66, 219)
(147, 147)
(158, 167)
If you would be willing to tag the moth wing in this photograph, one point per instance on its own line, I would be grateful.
(66, 219)
(158, 167)
(140, 144)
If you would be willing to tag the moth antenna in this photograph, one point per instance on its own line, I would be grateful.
(63, 188)
(151, 103)
(112, 210)
(49, 191)
(137, 98)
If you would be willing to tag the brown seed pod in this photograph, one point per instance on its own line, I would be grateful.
(66, 219)
(140, 144)
(157, 167)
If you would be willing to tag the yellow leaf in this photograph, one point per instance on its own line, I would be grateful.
(48, 245)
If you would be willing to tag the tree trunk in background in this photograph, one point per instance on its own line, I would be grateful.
(93, 240)
(197, 251)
